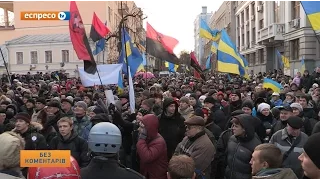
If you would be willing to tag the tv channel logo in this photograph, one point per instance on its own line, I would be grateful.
(46, 15)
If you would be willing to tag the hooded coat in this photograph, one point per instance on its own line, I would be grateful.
(171, 128)
(278, 173)
(152, 150)
(240, 149)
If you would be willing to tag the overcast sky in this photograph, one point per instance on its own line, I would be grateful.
(175, 18)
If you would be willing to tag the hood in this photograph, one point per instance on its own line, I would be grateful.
(167, 102)
(278, 173)
(71, 138)
(248, 123)
(151, 124)
(14, 107)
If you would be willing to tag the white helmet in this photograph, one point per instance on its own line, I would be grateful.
(105, 137)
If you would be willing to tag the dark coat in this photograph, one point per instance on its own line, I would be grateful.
(77, 146)
(171, 128)
(107, 168)
(34, 140)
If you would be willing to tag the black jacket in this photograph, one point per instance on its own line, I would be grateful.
(77, 146)
(34, 140)
(171, 128)
(240, 149)
(107, 168)
(218, 117)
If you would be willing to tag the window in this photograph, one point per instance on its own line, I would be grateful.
(65, 56)
(295, 9)
(242, 17)
(247, 13)
(254, 35)
(261, 24)
(242, 39)
(294, 49)
(238, 21)
(48, 57)
(110, 14)
(276, 11)
(253, 8)
(19, 57)
(34, 57)
(261, 56)
(254, 59)
(238, 46)
(248, 39)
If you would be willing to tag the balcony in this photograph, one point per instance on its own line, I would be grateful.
(124, 9)
(6, 23)
(272, 31)
(8, 5)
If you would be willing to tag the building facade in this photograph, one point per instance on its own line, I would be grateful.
(200, 42)
(263, 27)
(108, 11)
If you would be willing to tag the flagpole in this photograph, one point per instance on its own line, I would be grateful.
(5, 64)
(125, 47)
(311, 25)
(146, 65)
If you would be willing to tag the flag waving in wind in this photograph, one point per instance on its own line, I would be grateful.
(161, 46)
(99, 30)
(207, 33)
(171, 67)
(194, 63)
(312, 9)
(79, 39)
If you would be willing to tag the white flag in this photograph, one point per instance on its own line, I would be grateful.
(109, 74)
(131, 94)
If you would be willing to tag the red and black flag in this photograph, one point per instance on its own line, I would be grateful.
(194, 63)
(80, 41)
(98, 29)
(161, 46)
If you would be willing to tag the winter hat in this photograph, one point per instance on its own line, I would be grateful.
(290, 94)
(210, 99)
(248, 103)
(100, 118)
(23, 116)
(297, 105)
(295, 122)
(238, 93)
(203, 97)
(263, 106)
(82, 104)
(195, 120)
(193, 95)
(41, 100)
(198, 112)
(31, 101)
(11, 144)
(184, 99)
(148, 102)
(11, 93)
(312, 148)
(54, 103)
(146, 93)
(98, 110)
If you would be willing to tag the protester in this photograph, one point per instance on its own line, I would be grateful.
(181, 167)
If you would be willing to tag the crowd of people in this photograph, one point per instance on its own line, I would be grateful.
(183, 127)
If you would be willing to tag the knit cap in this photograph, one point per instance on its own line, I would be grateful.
(263, 106)
(184, 99)
(312, 148)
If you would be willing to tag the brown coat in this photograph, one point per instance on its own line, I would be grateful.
(201, 150)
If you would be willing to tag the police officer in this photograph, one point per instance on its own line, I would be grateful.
(105, 142)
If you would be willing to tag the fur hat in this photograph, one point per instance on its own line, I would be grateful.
(12, 143)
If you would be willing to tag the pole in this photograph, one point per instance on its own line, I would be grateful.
(311, 25)
(124, 43)
(5, 64)
(103, 55)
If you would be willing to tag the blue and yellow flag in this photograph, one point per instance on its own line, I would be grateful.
(120, 84)
(269, 83)
(279, 59)
(57, 76)
(207, 33)
(171, 67)
(303, 66)
(229, 59)
(134, 56)
(285, 61)
(214, 47)
(208, 63)
(312, 10)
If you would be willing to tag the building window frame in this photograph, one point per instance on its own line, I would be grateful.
(18, 55)
(295, 9)
(48, 56)
(294, 49)
(65, 55)
(261, 56)
(34, 60)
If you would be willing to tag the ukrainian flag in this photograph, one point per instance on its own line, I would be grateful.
(120, 84)
(171, 67)
(134, 56)
(303, 66)
(229, 59)
(208, 63)
(269, 83)
(214, 47)
(312, 9)
(206, 32)
(285, 60)
(279, 58)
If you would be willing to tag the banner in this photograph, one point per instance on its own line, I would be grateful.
(131, 94)
(109, 74)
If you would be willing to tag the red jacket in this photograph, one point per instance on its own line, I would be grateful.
(152, 151)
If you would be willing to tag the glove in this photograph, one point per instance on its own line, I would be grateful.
(112, 108)
(143, 134)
